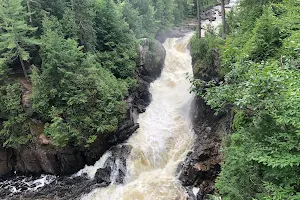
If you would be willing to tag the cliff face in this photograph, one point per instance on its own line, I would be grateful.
(202, 165)
(42, 157)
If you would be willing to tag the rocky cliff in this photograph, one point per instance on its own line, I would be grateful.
(202, 165)
(42, 157)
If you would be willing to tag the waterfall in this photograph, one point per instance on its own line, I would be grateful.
(164, 137)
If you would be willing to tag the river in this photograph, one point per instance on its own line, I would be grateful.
(164, 137)
(163, 140)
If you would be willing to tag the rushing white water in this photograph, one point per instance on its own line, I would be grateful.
(161, 142)
(164, 137)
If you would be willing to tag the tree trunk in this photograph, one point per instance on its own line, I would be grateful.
(23, 68)
(199, 19)
(223, 19)
(29, 11)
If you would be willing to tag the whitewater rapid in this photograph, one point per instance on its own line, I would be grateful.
(164, 137)
(159, 145)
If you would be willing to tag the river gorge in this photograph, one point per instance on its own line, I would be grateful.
(148, 168)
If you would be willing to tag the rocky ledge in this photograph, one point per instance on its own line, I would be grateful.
(202, 165)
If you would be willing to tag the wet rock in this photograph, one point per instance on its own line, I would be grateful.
(202, 165)
(115, 166)
(123, 133)
(163, 33)
(63, 188)
(5, 163)
(142, 96)
(103, 175)
(191, 195)
(96, 150)
(151, 59)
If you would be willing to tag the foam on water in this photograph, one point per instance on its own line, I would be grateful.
(159, 145)
(22, 184)
(164, 137)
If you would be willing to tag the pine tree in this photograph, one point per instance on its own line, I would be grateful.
(79, 98)
(84, 18)
(115, 40)
(133, 18)
(14, 33)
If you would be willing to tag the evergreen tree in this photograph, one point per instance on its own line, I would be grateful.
(84, 17)
(71, 91)
(15, 130)
(134, 19)
(15, 39)
(115, 41)
(53, 7)
(69, 27)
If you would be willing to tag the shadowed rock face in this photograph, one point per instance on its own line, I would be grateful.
(151, 60)
(5, 164)
(42, 157)
(202, 165)
(65, 188)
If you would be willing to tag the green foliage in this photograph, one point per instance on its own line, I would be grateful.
(205, 52)
(260, 66)
(84, 65)
(14, 33)
(68, 24)
(15, 130)
(134, 19)
(84, 15)
(266, 37)
(115, 40)
(72, 90)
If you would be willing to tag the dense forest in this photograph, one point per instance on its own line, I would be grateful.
(74, 61)
(258, 83)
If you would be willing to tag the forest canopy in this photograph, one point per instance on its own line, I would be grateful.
(258, 82)
(74, 61)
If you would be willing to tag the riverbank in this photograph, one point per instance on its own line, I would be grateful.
(203, 163)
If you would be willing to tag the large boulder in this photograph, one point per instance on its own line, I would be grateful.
(114, 169)
(151, 59)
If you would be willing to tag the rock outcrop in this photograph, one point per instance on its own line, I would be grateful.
(42, 157)
(151, 60)
(202, 164)
(115, 167)
(163, 33)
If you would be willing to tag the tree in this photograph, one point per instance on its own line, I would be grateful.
(115, 41)
(29, 11)
(199, 18)
(15, 39)
(223, 19)
(72, 92)
(15, 130)
(134, 19)
(84, 18)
